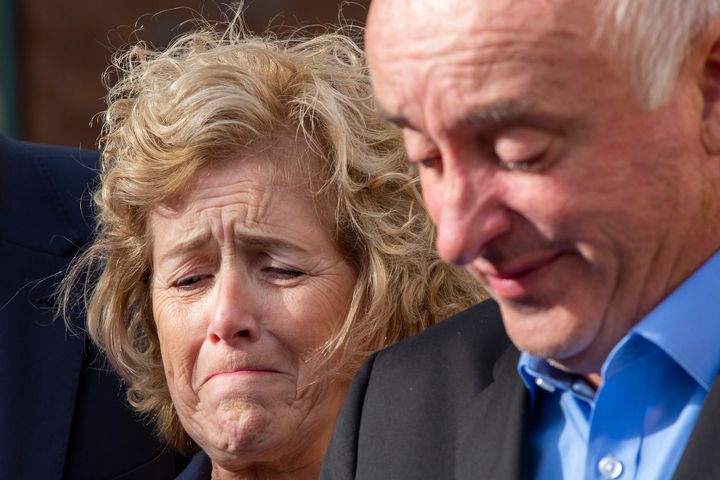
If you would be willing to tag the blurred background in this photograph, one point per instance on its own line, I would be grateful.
(53, 52)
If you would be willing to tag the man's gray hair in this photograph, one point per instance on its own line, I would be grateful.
(655, 36)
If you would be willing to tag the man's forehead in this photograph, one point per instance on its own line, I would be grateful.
(434, 28)
(469, 51)
(388, 18)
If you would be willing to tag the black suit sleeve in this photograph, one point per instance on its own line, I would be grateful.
(341, 457)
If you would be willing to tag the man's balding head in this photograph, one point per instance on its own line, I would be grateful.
(548, 176)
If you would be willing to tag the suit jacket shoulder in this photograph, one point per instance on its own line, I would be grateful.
(44, 196)
(62, 414)
(446, 403)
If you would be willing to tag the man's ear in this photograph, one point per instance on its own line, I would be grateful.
(710, 87)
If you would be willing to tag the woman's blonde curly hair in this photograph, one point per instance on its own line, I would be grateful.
(210, 95)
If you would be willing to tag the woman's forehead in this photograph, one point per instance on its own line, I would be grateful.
(279, 161)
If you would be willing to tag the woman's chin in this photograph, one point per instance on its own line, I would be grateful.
(241, 434)
(241, 428)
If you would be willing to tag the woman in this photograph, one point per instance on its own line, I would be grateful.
(256, 242)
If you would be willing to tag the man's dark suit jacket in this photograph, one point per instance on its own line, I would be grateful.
(62, 414)
(449, 404)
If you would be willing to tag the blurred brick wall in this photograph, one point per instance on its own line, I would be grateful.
(63, 46)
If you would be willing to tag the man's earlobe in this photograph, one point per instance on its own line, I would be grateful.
(710, 86)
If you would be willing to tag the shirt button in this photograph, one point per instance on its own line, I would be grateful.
(610, 467)
(544, 385)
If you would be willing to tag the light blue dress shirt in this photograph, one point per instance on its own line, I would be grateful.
(655, 380)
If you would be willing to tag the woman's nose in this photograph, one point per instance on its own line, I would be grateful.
(233, 315)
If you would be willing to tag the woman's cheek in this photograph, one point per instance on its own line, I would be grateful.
(180, 341)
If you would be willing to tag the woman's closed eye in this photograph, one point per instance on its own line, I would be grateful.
(282, 273)
(190, 281)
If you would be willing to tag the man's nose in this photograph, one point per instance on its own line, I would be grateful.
(234, 314)
(469, 214)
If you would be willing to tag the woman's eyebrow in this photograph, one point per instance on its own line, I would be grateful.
(269, 243)
(201, 241)
(186, 246)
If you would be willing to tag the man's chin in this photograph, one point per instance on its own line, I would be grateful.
(543, 332)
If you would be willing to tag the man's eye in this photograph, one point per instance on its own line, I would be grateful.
(522, 149)
(430, 162)
(526, 165)
(427, 163)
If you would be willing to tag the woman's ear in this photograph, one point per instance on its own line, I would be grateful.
(710, 87)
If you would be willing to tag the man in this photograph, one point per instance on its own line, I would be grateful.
(569, 152)
(63, 415)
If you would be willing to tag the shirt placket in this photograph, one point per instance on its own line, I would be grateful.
(616, 427)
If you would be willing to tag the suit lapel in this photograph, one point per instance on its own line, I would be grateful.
(700, 459)
(491, 440)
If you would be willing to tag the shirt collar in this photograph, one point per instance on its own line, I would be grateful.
(685, 326)
(538, 373)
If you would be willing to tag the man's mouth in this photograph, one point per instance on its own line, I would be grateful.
(518, 278)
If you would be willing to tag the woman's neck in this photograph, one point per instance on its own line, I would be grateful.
(308, 472)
